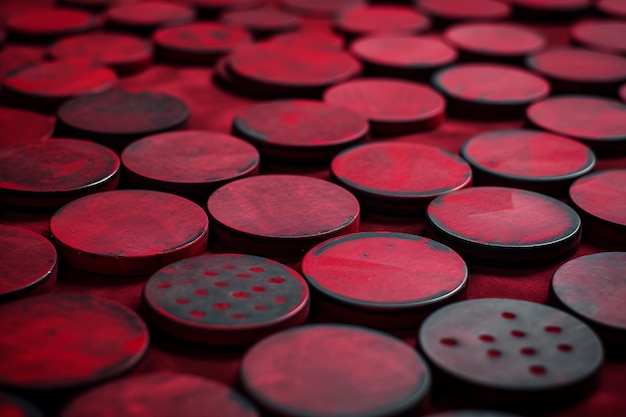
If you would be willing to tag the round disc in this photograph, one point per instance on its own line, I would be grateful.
(118, 117)
(152, 230)
(43, 23)
(399, 178)
(263, 21)
(189, 163)
(226, 299)
(615, 8)
(199, 42)
(511, 351)
(490, 91)
(320, 8)
(123, 53)
(447, 11)
(281, 215)
(161, 394)
(299, 130)
(12, 406)
(150, 15)
(598, 122)
(97, 5)
(28, 262)
(87, 340)
(21, 126)
(50, 173)
(383, 279)
(393, 107)
(504, 225)
(334, 370)
(603, 35)
(601, 200)
(376, 19)
(323, 40)
(529, 159)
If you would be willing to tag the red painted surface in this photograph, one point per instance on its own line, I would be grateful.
(495, 40)
(292, 373)
(262, 21)
(452, 10)
(22, 126)
(377, 19)
(320, 8)
(603, 35)
(310, 39)
(150, 15)
(615, 8)
(50, 22)
(86, 340)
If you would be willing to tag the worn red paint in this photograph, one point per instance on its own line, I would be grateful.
(46, 22)
(150, 15)
(377, 19)
(457, 10)
(262, 21)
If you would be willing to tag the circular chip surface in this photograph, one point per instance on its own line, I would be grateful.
(295, 130)
(504, 225)
(603, 35)
(150, 15)
(50, 173)
(616, 8)
(262, 21)
(454, 10)
(511, 351)
(529, 159)
(43, 23)
(128, 232)
(161, 394)
(399, 178)
(359, 21)
(118, 117)
(598, 122)
(334, 370)
(226, 299)
(20, 126)
(310, 39)
(281, 215)
(385, 280)
(27, 262)
(87, 340)
(600, 198)
(490, 90)
(392, 106)
(189, 163)
(12, 406)
(123, 53)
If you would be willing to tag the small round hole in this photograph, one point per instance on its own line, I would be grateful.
(528, 351)
(231, 267)
(200, 292)
(537, 370)
(280, 300)
(221, 306)
(163, 285)
(197, 313)
(494, 353)
(276, 280)
(552, 329)
(517, 333)
(238, 316)
(240, 294)
(564, 348)
(182, 300)
(221, 284)
(258, 289)
(487, 338)
(448, 341)
(256, 269)
(260, 308)
(508, 315)
(210, 273)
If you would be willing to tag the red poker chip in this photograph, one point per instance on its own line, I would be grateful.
(335, 370)
(299, 130)
(600, 199)
(502, 42)
(383, 280)
(59, 341)
(322, 40)
(48, 174)
(511, 352)
(529, 159)
(320, 8)
(614, 8)
(489, 91)
(262, 22)
(97, 5)
(46, 85)
(579, 70)
(602, 35)
(377, 19)
(592, 287)
(410, 57)
(399, 178)
(12, 406)
(225, 299)
(118, 117)
(149, 15)
(161, 394)
(393, 107)
(28, 263)
(124, 53)
(445, 12)
(507, 226)
(23, 126)
(45, 24)
(199, 43)
(281, 215)
(188, 163)
(128, 232)
(598, 122)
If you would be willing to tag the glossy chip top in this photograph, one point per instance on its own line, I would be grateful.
(263, 20)
(151, 15)
(602, 195)
(324, 40)
(465, 9)
(603, 35)
(320, 8)
(495, 39)
(50, 22)
(382, 19)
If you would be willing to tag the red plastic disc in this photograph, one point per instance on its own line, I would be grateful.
(118, 117)
(377, 19)
(123, 53)
(60, 341)
(392, 107)
(410, 57)
(504, 351)
(50, 173)
(28, 262)
(129, 232)
(580, 70)
(330, 370)
(12, 406)
(320, 8)
(490, 91)
(450, 11)
(504, 42)
(149, 15)
(190, 163)
(603, 35)
(263, 21)
(615, 8)
(199, 43)
(600, 198)
(225, 299)
(161, 394)
(528, 159)
(399, 178)
(310, 39)
(504, 225)
(598, 122)
(299, 130)
(383, 280)
(281, 215)
(47, 23)
(23, 126)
